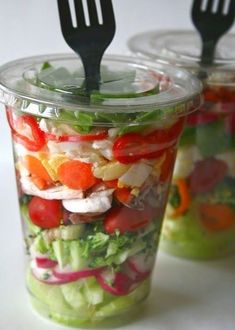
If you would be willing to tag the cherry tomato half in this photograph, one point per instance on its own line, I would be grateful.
(126, 219)
(45, 213)
(207, 173)
(216, 217)
(219, 94)
(223, 97)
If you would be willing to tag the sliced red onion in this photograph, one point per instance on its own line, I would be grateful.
(141, 263)
(120, 285)
(136, 277)
(44, 263)
(129, 271)
(56, 276)
(50, 280)
(70, 276)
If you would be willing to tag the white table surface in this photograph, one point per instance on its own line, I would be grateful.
(185, 295)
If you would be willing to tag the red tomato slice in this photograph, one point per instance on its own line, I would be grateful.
(126, 219)
(168, 164)
(230, 123)
(129, 148)
(202, 116)
(167, 135)
(216, 217)
(45, 213)
(132, 147)
(207, 173)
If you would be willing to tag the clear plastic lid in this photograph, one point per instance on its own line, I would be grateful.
(180, 47)
(44, 85)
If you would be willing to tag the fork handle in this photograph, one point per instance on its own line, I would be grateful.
(92, 72)
(208, 50)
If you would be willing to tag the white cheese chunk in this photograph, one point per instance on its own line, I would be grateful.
(229, 158)
(185, 161)
(136, 175)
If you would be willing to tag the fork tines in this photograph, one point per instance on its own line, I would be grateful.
(213, 6)
(212, 19)
(106, 11)
(88, 40)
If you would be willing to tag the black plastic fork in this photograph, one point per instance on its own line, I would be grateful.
(89, 41)
(211, 25)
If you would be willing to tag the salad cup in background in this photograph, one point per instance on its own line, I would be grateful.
(93, 174)
(200, 215)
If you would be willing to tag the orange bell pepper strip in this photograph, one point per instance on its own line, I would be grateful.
(40, 183)
(111, 183)
(38, 172)
(123, 195)
(35, 167)
(185, 197)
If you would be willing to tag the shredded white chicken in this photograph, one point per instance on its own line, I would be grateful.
(77, 151)
(105, 147)
(58, 192)
(97, 202)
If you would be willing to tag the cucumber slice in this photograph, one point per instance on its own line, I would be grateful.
(71, 321)
(187, 238)
(73, 295)
(63, 232)
(93, 292)
(39, 245)
(77, 262)
(123, 304)
(48, 295)
(62, 252)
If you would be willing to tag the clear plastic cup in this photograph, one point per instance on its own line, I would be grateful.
(93, 175)
(200, 215)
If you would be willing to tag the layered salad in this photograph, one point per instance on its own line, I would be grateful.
(92, 192)
(200, 216)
